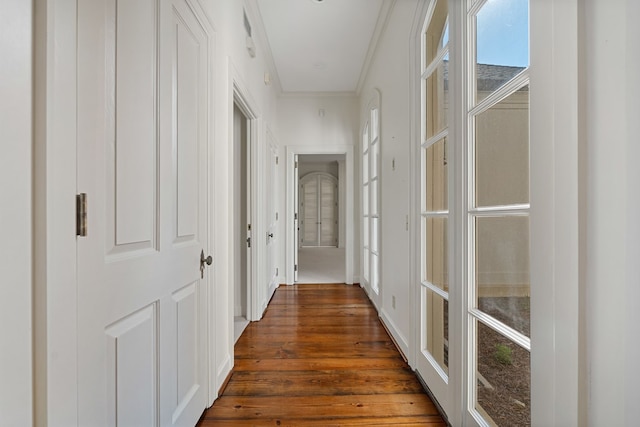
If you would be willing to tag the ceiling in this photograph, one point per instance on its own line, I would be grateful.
(321, 45)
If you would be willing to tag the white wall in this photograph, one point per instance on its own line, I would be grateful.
(390, 74)
(16, 213)
(301, 123)
(612, 112)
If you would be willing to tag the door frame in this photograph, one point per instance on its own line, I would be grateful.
(292, 151)
(242, 98)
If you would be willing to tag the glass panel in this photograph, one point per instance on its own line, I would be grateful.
(437, 328)
(365, 268)
(436, 93)
(502, 45)
(375, 158)
(374, 124)
(374, 273)
(374, 197)
(374, 235)
(436, 176)
(434, 37)
(365, 199)
(502, 152)
(365, 138)
(502, 269)
(436, 256)
(365, 231)
(365, 167)
(503, 383)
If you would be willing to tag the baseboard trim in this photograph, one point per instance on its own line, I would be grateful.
(399, 340)
(433, 398)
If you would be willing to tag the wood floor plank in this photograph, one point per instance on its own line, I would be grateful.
(318, 364)
(320, 357)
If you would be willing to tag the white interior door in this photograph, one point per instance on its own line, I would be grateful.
(142, 161)
(319, 210)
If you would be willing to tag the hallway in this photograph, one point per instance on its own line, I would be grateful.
(320, 357)
(321, 265)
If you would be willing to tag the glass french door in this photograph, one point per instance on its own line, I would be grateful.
(433, 355)
(371, 205)
(497, 213)
(474, 333)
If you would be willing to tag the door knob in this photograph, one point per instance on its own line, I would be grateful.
(208, 260)
(270, 235)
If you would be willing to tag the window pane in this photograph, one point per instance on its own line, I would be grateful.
(365, 199)
(502, 152)
(502, 269)
(436, 35)
(365, 231)
(436, 252)
(503, 383)
(375, 158)
(374, 124)
(375, 282)
(374, 197)
(365, 168)
(436, 339)
(365, 267)
(502, 46)
(436, 93)
(374, 235)
(436, 176)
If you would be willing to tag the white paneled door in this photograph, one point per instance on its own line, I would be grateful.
(142, 162)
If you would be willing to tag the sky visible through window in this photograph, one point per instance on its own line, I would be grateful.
(503, 33)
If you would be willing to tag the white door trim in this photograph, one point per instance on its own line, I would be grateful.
(292, 151)
(55, 304)
(243, 99)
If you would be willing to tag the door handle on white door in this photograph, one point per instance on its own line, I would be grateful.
(208, 260)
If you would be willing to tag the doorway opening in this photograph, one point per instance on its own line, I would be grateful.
(242, 213)
(320, 199)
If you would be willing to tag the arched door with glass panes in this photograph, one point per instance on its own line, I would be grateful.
(474, 210)
(318, 210)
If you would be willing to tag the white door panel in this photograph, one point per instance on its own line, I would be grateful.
(319, 210)
(142, 160)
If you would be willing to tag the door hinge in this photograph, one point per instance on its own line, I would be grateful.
(276, 216)
(295, 215)
(277, 273)
(248, 242)
(248, 227)
(276, 160)
(295, 268)
(81, 214)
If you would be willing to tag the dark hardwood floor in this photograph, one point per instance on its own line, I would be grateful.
(320, 357)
